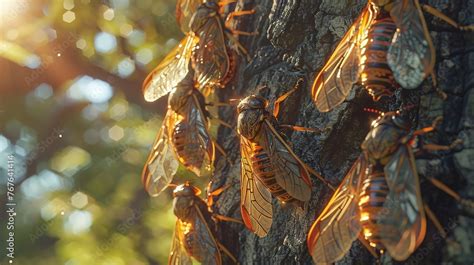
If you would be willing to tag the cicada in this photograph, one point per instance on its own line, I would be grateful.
(379, 197)
(183, 138)
(206, 48)
(194, 234)
(388, 46)
(268, 164)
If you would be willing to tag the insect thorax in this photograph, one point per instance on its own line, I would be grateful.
(179, 97)
(203, 13)
(384, 138)
(251, 115)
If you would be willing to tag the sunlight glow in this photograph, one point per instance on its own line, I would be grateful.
(12, 9)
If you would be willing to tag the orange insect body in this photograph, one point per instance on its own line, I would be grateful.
(265, 172)
(376, 75)
(379, 199)
(184, 138)
(194, 230)
(373, 196)
(191, 153)
(268, 166)
(387, 47)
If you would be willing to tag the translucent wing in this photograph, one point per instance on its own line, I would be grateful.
(411, 55)
(291, 174)
(403, 222)
(184, 12)
(171, 70)
(210, 57)
(197, 140)
(161, 164)
(341, 72)
(208, 251)
(256, 200)
(332, 234)
(178, 255)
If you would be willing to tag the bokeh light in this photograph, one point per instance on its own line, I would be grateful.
(105, 42)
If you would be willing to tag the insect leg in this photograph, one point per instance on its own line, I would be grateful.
(222, 151)
(221, 122)
(438, 147)
(239, 45)
(226, 2)
(236, 14)
(440, 92)
(303, 129)
(440, 185)
(224, 218)
(227, 252)
(220, 190)
(428, 129)
(435, 12)
(316, 174)
(278, 101)
(435, 221)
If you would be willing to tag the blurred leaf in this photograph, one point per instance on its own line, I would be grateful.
(18, 54)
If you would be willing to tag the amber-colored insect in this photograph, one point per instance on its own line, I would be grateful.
(388, 46)
(183, 138)
(380, 197)
(206, 46)
(268, 164)
(194, 234)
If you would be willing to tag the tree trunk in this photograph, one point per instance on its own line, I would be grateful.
(295, 39)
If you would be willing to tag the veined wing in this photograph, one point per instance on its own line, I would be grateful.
(161, 164)
(256, 200)
(411, 55)
(332, 234)
(207, 243)
(341, 72)
(290, 172)
(184, 12)
(402, 222)
(178, 255)
(210, 57)
(198, 139)
(171, 70)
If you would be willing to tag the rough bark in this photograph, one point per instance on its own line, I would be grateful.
(295, 38)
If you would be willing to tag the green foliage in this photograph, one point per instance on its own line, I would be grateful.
(79, 149)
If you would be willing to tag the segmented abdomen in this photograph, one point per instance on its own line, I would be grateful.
(232, 67)
(376, 75)
(191, 154)
(371, 202)
(263, 169)
(192, 245)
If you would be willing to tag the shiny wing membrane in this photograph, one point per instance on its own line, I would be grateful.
(178, 255)
(403, 221)
(185, 9)
(411, 55)
(291, 174)
(161, 164)
(171, 70)
(332, 234)
(209, 248)
(256, 200)
(198, 135)
(341, 72)
(210, 57)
